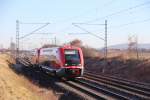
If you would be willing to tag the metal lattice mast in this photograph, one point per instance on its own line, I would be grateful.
(106, 50)
(18, 34)
(101, 38)
(17, 38)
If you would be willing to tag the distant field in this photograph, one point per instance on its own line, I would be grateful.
(129, 55)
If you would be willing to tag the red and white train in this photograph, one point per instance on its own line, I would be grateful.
(66, 61)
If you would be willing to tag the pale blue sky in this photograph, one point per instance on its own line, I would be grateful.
(62, 13)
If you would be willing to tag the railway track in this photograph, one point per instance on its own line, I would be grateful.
(94, 86)
(126, 88)
(83, 91)
(88, 91)
(101, 90)
(142, 86)
(72, 86)
(121, 79)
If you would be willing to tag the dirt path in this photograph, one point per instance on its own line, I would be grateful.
(14, 87)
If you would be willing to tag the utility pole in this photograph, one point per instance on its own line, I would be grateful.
(17, 38)
(137, 52)
(55, 40)
(10, 47)
(105, 48)
(101, 38)
(106, 51)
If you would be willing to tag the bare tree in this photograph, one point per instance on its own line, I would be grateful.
(76, 42)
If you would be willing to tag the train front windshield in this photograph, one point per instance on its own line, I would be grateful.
(72, 58)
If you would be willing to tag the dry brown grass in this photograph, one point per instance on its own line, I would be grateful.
(14, 87)
(122, 64)
(129, 55)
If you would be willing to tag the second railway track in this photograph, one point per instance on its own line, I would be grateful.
(137, 90)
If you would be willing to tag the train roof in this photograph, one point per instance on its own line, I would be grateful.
(65, 47)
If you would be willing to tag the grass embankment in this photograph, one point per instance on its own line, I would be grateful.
(15, 87)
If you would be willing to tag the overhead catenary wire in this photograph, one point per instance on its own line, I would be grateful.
(125, 24)
(87, 24)
(104, 39)
(33, 23)
(91, 10)
(35, 30)
(43, 33)
(112, 15)
(88, 31)
(130, 23)
(77, 16)
(18, 34)
(120, 11)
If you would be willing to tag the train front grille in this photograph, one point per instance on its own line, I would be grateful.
(73, 71)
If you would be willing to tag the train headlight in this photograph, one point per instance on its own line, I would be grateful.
(66, 64)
